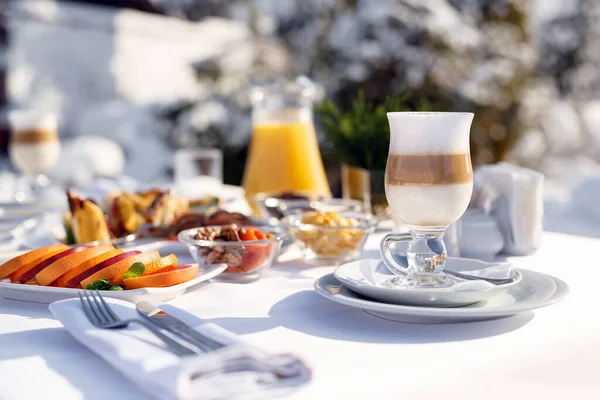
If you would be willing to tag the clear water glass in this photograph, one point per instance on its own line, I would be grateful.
(198, 172)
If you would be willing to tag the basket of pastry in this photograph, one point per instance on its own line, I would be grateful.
(127, 216)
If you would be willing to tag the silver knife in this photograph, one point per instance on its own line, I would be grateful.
(177, 327)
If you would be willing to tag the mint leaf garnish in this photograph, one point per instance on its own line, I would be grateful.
(69, 236)
(212, 200)
(100, 284)
(136, 269)
(103, 284)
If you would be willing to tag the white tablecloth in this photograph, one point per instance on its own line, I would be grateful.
(553, 353)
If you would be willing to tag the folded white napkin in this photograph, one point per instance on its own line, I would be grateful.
(585, 198)
(495, 271)
(465, 266)
(238, 371)
(514, 197)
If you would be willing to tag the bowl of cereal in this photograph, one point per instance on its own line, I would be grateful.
(248, 251)
(330, 237)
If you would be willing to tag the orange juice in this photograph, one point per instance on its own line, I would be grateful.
(284, 156)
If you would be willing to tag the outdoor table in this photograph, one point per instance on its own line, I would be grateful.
(552, 353)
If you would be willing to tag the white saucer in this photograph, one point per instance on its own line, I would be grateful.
(535, 290)
(367, 277)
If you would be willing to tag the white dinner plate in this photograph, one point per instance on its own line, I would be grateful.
(48, 294)
(51, 202)
(535, 290)
(368, 276)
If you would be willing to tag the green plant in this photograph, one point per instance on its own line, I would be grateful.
(361, 136)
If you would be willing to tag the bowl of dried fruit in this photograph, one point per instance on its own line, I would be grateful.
(330, 237)
(248, 251)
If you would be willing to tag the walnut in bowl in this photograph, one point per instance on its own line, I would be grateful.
(248, 251)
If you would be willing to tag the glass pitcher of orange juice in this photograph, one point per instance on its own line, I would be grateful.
(284, 154)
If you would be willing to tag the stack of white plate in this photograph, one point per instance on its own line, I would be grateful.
(362, 284)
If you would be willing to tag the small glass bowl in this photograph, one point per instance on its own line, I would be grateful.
(273, 207)
(269, 204)
(331, 245)
(246, 261)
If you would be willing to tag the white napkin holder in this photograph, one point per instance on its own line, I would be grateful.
(513, 196)
(479, 235)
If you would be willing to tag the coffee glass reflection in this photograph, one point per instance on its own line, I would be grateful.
(34, 148)
(428, 185)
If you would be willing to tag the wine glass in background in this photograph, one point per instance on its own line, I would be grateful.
(198, 172)
(34, 148)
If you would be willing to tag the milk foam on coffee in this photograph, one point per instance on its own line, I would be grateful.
(429, 178)
(429, 133)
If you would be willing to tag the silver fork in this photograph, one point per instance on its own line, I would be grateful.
(102, 316)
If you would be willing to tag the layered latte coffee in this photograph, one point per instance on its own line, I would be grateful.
(428, 185)
(34, 145)
(429, 189)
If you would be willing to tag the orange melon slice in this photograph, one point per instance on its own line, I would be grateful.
(25, 269)
(32, 272)
(167, 276)
(116, 271)
(17, 262)
(152, 267)
(84, 266)
(60, 267)
(75, 282)
(155, 265)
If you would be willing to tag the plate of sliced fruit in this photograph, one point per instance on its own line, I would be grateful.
(58, 272)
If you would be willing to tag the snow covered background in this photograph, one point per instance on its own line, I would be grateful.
(147, 83)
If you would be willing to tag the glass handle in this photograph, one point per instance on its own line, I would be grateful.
(386, 254)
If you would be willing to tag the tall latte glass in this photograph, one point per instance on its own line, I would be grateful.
(428, 185)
